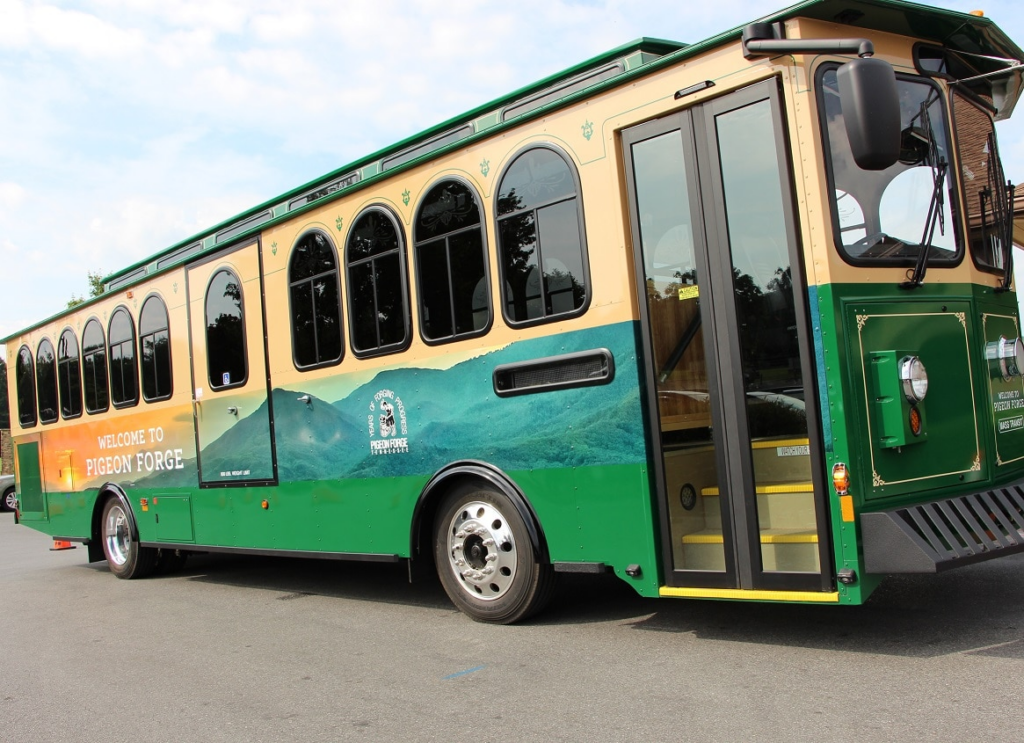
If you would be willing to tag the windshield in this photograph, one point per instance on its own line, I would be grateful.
(985, 194)
(882, 217)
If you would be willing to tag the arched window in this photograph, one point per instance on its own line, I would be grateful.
(155, 350)
(94, 363)
(46, 381)
(69, 375)
(451, 264)
(377, 300)
(315, 302)
(124, 385)
(25, 377)
(226, 359)
(542, 252)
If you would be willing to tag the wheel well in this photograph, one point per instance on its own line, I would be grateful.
(107, 492)
(468, 475)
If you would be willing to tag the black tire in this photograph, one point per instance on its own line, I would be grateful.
(125, 558)
(486, 561)
(9, 501)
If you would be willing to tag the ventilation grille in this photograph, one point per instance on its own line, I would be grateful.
(555, 373)
(935, 536)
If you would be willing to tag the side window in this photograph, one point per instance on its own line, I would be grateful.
(155, 350)
(226, 358)
(542, 253)
(451, 264)
(124, 386)
(69, 375)
(377, 300)
(46, 382)
(94, 362)
(25, 372)
(315, 302)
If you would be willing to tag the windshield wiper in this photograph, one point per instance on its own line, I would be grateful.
(934, 218)
(935, 204)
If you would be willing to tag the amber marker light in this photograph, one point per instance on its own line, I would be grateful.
(840, 478)
(979, 13)
(266, 505)
(915, 420)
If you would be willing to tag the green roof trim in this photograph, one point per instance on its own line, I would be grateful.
(955, 30)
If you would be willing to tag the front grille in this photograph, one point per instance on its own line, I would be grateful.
(936, 536)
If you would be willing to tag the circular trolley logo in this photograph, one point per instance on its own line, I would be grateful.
(387, 425)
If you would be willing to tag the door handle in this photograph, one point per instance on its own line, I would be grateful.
(232, 410)
(306, 399)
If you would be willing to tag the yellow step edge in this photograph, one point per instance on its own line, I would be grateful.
(742, 595)
(782, 442)
(768, 536)
(790, 487)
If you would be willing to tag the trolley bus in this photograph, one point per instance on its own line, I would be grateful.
(730, 320)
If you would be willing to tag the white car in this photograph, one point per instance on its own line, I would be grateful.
(8, 499)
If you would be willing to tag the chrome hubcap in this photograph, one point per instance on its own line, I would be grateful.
(117, 536)
(482, 551)
(11, 500)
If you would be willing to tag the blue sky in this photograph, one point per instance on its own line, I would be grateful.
(128, 125)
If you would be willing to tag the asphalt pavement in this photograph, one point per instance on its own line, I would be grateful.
(260, 649)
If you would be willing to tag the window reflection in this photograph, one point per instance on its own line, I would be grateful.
(94, 361)
(226, 359)
(376, 276)
(882, 215)
(539, 238)
(315, 302)
(154, 340)
(979, 167)
(123, 375)
(69, 375)
(451, 263)
(46, 382)
(25, 376)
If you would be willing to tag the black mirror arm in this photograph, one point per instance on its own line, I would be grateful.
(766, 39)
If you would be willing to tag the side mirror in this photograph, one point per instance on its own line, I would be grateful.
(871, 109)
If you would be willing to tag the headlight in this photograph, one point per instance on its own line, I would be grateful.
(914, 377)
(1006, 357)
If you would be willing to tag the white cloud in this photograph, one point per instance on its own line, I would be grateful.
(129, 125)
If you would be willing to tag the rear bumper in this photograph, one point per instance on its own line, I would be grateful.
(933, 537)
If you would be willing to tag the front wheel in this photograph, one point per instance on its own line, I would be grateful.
(125, 557)
(486, 560)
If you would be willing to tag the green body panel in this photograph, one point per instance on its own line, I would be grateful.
(940, 333)
(587, 514)
(31, 499)
(960, 416)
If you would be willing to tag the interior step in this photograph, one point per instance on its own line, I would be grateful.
(768, 489)
(787, 550)
(768, 536)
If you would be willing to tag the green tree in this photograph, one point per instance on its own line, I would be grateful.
(95, 289)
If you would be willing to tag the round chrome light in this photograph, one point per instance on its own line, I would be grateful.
(914, 377)
(1006, 357)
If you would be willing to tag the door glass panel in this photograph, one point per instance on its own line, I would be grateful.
(684, 409)
(766, 318)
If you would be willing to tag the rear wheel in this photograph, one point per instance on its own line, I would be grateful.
(10, 500)
(124, 555)
(485, 558)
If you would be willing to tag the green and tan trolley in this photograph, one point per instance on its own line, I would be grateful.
(729, 320)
